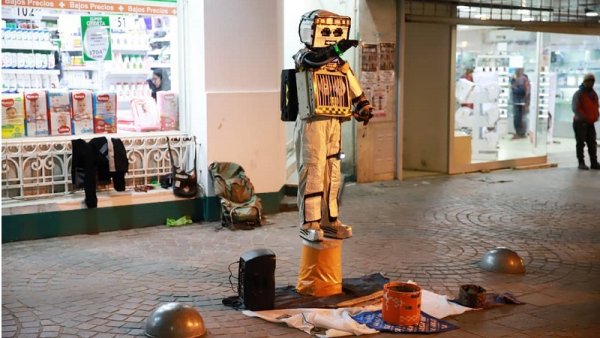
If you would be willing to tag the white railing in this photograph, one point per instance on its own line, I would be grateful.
(41, 168)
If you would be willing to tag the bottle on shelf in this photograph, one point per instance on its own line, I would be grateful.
(126, 89)
(119, 89)
(126, 62)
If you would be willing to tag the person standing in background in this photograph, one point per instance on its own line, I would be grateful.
(585, 108)
(521, 97)
(468, 75)
(160, 81)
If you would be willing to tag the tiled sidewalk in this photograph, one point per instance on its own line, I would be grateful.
(432, 231)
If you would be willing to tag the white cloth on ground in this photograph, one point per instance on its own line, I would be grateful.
(338, 323)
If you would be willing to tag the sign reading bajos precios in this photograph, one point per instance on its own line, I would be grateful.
(166, 8)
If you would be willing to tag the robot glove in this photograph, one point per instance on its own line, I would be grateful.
(364, 113)
(343, 45)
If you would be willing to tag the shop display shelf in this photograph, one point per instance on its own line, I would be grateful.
(29, 46)
(81, 85)
(80, 68)
(125, 49)
(165, 39)
(160, 65)
(159, 52)
(31, 71)
(127, 72)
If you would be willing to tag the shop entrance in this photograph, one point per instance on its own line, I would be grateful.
(514, 90)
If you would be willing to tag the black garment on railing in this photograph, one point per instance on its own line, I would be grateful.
(93, 162)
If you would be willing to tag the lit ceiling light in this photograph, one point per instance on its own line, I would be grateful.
(590, 13)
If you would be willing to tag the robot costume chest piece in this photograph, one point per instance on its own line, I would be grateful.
(323, 92)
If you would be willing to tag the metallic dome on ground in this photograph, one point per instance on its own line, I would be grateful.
(174, 320)
(502, 260)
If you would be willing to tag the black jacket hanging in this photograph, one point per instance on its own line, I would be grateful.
(91, 163)
(121, 165)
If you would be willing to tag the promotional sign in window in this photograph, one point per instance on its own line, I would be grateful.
(95, 32)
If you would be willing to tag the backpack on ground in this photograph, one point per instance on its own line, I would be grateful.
(240, 206)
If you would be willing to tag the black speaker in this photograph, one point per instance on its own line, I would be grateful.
(256, 279)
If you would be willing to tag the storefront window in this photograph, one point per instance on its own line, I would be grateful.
(83, 67)
(570, 58)
(517, 100)
(501, 93)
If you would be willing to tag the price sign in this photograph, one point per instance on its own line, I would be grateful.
(27, 13)
(95, 32)
(119, 23)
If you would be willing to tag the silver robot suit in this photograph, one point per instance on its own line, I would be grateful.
(328, 94)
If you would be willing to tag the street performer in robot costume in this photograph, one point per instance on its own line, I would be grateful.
(328, 94)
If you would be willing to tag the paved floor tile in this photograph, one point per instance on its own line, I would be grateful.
(433, 231)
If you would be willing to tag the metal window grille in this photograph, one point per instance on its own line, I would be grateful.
(32, 169)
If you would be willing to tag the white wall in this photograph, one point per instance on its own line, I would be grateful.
(194, 84)
(243, 45)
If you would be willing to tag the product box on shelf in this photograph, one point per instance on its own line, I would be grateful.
(13, 116)
(143, 116)
(105, 112)
(59, 106)
(82, 112)
(36, 113)
(168, 109)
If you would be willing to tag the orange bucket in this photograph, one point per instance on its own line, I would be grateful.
(401, 304)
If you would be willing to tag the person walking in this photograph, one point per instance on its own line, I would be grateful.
(585, 108)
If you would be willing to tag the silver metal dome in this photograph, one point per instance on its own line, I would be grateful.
(502, 260)
(174, 320)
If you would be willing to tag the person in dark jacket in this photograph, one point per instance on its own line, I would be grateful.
(585, 108)
(521, 97)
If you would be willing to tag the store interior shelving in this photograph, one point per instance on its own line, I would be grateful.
(139, 44)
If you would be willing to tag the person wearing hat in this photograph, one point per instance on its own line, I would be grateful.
(585, 108)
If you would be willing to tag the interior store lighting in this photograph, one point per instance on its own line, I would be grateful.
(590, 13)
(481, 16)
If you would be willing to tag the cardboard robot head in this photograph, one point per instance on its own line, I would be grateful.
(320, 28)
